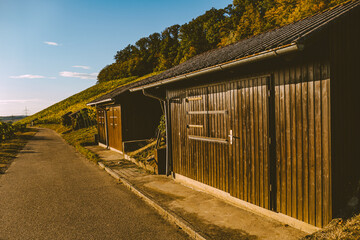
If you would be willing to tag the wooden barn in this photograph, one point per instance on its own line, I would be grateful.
(125, 118)
(274, 119)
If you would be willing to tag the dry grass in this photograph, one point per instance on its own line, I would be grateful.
(10, 148)
(140, 150)
(339, 230)
(145, 153)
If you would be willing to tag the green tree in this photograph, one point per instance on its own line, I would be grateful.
(200, 34)
(169, 47)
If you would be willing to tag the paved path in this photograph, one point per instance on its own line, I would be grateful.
(51, 192)
(208, 216)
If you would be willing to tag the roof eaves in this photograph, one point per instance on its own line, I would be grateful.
(230, 64)
(98, 102)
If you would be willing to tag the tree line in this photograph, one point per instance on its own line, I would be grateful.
(215, 28)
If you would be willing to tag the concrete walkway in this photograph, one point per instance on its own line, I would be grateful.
(202, 215)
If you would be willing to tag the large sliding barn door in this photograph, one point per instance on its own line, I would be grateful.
(207, 130)
(220, 137)
(199, 120)
(249, 108)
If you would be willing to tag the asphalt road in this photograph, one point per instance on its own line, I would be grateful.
(51, 192)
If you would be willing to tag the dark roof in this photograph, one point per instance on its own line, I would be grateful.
(109, 96)
(292, 33)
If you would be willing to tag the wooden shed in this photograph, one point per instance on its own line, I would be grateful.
(273, 119)
(125, 118)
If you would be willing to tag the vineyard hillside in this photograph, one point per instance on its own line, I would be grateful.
(52, 114)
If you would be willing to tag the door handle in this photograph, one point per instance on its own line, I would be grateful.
(231, 137)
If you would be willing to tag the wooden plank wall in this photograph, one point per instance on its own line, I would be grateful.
(241, 168)
(250, 149)
(204, 161)
(345, 114)
(303, 140)
(218, 128)
(177, 109)
(140, 116)
(101, 125)
(196, 126)
(303, 133)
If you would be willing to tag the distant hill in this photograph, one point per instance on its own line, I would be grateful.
(12, 118)
(52, 114)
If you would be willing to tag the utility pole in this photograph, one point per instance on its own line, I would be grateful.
(26, 111)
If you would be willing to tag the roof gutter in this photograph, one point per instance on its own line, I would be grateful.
(292, 47)
(102, 101)
(152, 95)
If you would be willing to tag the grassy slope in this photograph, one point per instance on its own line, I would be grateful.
(51, 116)
(76, 102)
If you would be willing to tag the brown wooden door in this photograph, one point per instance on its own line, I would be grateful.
(249, 147)
(114, 127)
(207, 128)
(101, 125)
(199, 120)
(202, 149)
(110, 123)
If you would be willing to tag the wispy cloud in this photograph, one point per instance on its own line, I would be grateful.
(31, 76)
(80, 66)
(9, 101)
(52, 43)
(79, 75)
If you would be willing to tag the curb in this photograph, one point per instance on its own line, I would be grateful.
(166, 214)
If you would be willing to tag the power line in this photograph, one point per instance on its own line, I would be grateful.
(26, 111)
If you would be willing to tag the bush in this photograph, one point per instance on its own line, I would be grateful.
(8, 130)
(19, 127)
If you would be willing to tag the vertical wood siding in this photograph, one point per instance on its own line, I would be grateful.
(201, 121)
(140, 116)
(218, 129)
(345, 113)
(199, 133)
(250, 150)
(302, 121)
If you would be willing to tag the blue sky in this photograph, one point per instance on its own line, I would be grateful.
(52, 49)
